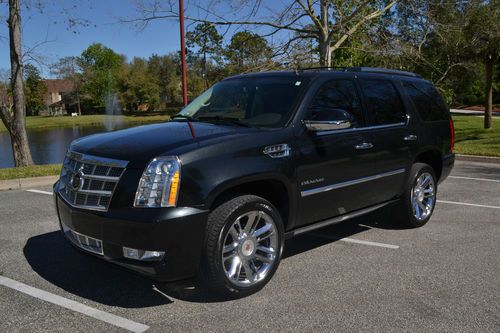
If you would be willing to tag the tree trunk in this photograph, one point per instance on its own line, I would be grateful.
(79, 108)
(488, 106)
(324, 52)
(15, 121)
(324, 40)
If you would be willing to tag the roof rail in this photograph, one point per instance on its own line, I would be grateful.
(380, 71)
(323, 67)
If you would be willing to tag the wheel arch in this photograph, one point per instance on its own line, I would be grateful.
(272, 187)
(433, 158)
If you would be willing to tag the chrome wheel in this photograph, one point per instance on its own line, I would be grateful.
(423, 196)
(250, 248)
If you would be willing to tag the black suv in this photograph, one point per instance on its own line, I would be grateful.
(255, 159)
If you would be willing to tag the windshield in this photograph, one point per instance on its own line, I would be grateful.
(261, 102)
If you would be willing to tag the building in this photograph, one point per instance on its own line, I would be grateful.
(55, 99)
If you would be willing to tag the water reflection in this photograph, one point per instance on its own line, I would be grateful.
(47, 145)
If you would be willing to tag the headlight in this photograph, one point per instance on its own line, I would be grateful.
(159, 184)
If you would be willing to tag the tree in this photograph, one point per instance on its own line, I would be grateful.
(329, 22)
(427, 37)
(70, 68)
(101, 66)
(14, 118)
(208, 41)
(165, 70)
(35, 89)
(247, 50)
(483, 35)
(137, 87)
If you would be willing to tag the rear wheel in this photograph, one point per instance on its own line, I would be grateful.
(243, 246)
(419, 198)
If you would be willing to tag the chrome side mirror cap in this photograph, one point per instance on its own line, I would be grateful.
(332, 125)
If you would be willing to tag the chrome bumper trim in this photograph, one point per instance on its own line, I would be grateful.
(84, 242)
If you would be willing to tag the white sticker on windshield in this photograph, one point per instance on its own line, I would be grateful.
(298, 83)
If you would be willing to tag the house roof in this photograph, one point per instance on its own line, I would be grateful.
(58, 85)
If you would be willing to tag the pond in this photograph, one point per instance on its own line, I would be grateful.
(48, 146)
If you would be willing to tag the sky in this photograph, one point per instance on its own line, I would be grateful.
(47, 35)
(55, 39)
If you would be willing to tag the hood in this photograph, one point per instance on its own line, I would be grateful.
(139, 145)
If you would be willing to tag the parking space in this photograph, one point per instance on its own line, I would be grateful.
(362, 275)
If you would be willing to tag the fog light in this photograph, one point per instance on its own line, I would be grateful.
(143, 255)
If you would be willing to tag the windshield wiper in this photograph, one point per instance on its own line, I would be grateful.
(231, 120)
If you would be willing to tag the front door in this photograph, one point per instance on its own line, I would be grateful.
(333, 165)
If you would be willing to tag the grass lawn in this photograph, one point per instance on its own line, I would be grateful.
(472, 139)
(92, 120)
(31, 171)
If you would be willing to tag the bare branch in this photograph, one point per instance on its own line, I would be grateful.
(362, 21)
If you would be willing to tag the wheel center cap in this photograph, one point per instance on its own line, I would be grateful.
(247, 247)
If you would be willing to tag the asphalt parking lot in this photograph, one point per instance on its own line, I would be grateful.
(362, 275)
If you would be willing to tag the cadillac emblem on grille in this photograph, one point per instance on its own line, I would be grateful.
(76, 181)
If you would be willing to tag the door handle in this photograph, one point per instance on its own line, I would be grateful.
(364, 145)
(410, 137)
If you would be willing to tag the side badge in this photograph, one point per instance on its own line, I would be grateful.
(277, 151)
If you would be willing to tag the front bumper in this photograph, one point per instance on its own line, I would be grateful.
(178, 231)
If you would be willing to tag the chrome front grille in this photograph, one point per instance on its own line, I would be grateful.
(88, 182)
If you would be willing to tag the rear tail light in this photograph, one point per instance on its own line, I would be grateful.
(452, 136)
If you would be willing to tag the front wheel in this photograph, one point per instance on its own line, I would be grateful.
(419, 198)
(243, 246)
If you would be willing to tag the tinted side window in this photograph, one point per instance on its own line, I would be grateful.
(427, 100)
(336, 96)
(383, 102)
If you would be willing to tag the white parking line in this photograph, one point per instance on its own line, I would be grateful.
(38, 191)
(73, 305)
(472, 178)
(356, 241)
(467, 204)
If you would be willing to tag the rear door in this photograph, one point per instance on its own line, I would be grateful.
(389, 133)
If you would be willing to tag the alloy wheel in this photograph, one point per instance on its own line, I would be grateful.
(423, 196)
(250, 248)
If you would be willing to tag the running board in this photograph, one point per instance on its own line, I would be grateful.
(336, 219)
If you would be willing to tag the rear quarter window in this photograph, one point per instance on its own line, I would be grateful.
(427, 100)
(383, 102)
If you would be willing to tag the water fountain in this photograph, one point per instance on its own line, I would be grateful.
(112, 108)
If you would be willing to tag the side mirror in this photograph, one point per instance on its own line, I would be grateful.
(328, 119)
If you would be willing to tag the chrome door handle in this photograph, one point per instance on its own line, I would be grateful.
(411, 137)
(364, 145)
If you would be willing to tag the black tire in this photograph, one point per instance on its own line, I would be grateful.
(220, 220)
(406, 215)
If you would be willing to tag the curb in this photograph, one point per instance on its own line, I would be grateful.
(477, 158)
(22, 183)
(472, 112)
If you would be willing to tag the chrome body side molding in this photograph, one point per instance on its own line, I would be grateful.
(327, 188)
(364, 129)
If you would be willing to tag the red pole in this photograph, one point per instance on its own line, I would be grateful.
(183, 53)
